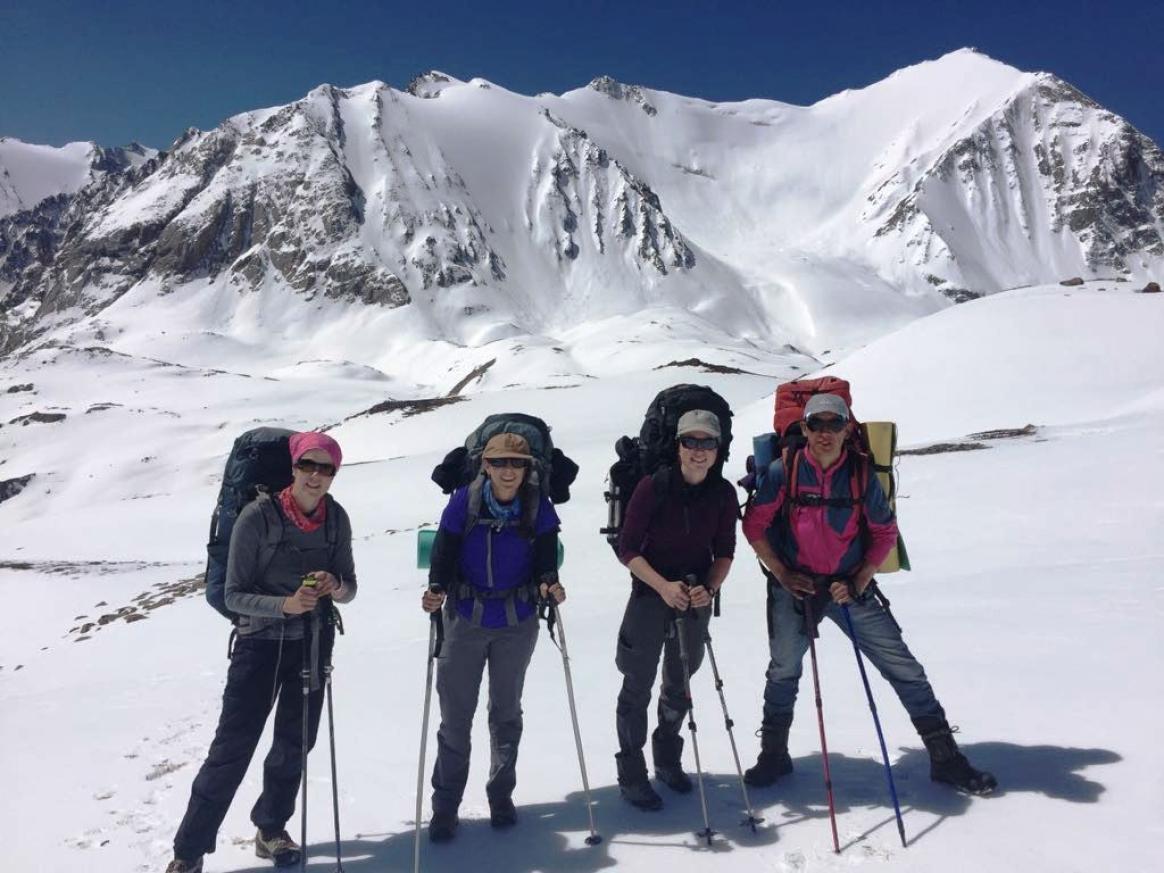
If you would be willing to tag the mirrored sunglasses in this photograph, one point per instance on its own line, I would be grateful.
(498, 463)
(311, 467)
(705, 443)
(831, 425)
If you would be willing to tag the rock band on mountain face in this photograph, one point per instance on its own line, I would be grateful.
(818, 518)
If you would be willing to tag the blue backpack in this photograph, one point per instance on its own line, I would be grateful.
(259, 462)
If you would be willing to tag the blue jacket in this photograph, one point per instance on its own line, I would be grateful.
(492, 559)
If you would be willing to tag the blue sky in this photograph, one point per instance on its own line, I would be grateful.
(118, 71)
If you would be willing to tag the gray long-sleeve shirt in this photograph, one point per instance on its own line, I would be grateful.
(268, 558)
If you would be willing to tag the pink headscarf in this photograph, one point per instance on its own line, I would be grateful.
(302, 443)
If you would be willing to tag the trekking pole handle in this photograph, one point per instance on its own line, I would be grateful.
(438, 624)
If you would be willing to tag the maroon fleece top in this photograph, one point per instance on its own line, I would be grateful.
(691, 527)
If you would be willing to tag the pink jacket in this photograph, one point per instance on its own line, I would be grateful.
(820, 538)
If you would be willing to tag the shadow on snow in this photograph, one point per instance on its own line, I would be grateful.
(549, 836)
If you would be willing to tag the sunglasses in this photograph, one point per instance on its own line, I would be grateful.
(500, 463)
(706, 443)
(831, 425)
(311, 467)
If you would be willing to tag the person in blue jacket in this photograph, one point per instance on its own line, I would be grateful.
(495, 554)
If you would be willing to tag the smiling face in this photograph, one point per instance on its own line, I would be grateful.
(826, 434)
(505, 477)
(309, 482)
(698, 451)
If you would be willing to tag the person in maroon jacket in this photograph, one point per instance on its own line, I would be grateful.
(680, 523)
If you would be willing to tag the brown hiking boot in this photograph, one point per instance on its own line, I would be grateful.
(277, 846)
(180, 865)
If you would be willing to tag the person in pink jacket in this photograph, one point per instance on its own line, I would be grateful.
(822, 540)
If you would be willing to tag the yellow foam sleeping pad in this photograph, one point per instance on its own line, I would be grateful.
(882, 438)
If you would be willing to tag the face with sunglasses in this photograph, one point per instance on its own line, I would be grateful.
(312, 476)
(506, 475)
(826, 435)
(697, 454)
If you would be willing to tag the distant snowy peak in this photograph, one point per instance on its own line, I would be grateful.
(32, 173)
(345, 194)
(629, 93)
(492, 214)
(1048, 180)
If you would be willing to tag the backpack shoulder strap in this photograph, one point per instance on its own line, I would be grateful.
(274, 525)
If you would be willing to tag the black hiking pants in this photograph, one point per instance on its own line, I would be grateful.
(261, 671)
(648, 631)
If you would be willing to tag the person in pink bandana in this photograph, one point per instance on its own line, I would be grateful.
(290, 558)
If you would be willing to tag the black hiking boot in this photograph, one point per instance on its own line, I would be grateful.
(774, 761)
(673, 777)
(633, 783)
(181, 865)
(667, 751)
(502, 813)
(947, 763)
(277, 846)
(442, 827)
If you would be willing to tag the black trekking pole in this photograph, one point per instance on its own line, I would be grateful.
(876, 723)
(810, 629)
(752, 820)
(436, 637)
(594, 839)
(305, 675)
(339, 867)
(680, 628)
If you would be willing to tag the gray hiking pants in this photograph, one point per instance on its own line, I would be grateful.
(647, 631)
(466, 652)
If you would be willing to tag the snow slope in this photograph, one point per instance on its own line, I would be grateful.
(1032, 603)
(29, 173)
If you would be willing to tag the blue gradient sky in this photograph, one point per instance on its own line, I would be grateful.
(119, 71)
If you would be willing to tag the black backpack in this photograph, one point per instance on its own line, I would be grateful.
(553, 473)
(259, 461)
(656, 447)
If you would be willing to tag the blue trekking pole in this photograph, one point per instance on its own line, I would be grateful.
(876, 722)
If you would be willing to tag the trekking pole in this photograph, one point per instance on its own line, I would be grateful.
(810, 630)
(339, 867)
(594, 839)
(752, 820)
(876, 723)
(305, 675)
(436, 636)
(680, 629)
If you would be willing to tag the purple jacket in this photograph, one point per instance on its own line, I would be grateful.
(492, 559)
(681, 528)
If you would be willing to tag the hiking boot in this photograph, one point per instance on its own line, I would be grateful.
(502, 813)
(641, 794)
(947, 763)
(180, 865)
(673, 777)
(633, 783)
(774, 761)
(442, 827)
(667, 750)
(277, 846)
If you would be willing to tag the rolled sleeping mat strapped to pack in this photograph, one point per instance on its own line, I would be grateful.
(424, 540)
(882, 439)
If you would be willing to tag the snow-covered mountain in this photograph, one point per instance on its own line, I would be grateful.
(486, 214)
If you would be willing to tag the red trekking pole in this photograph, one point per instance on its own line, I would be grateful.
(810, 630)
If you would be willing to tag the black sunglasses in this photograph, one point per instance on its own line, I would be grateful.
(499, 463)
(832, 425)
(707, 443)
(310, 467)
